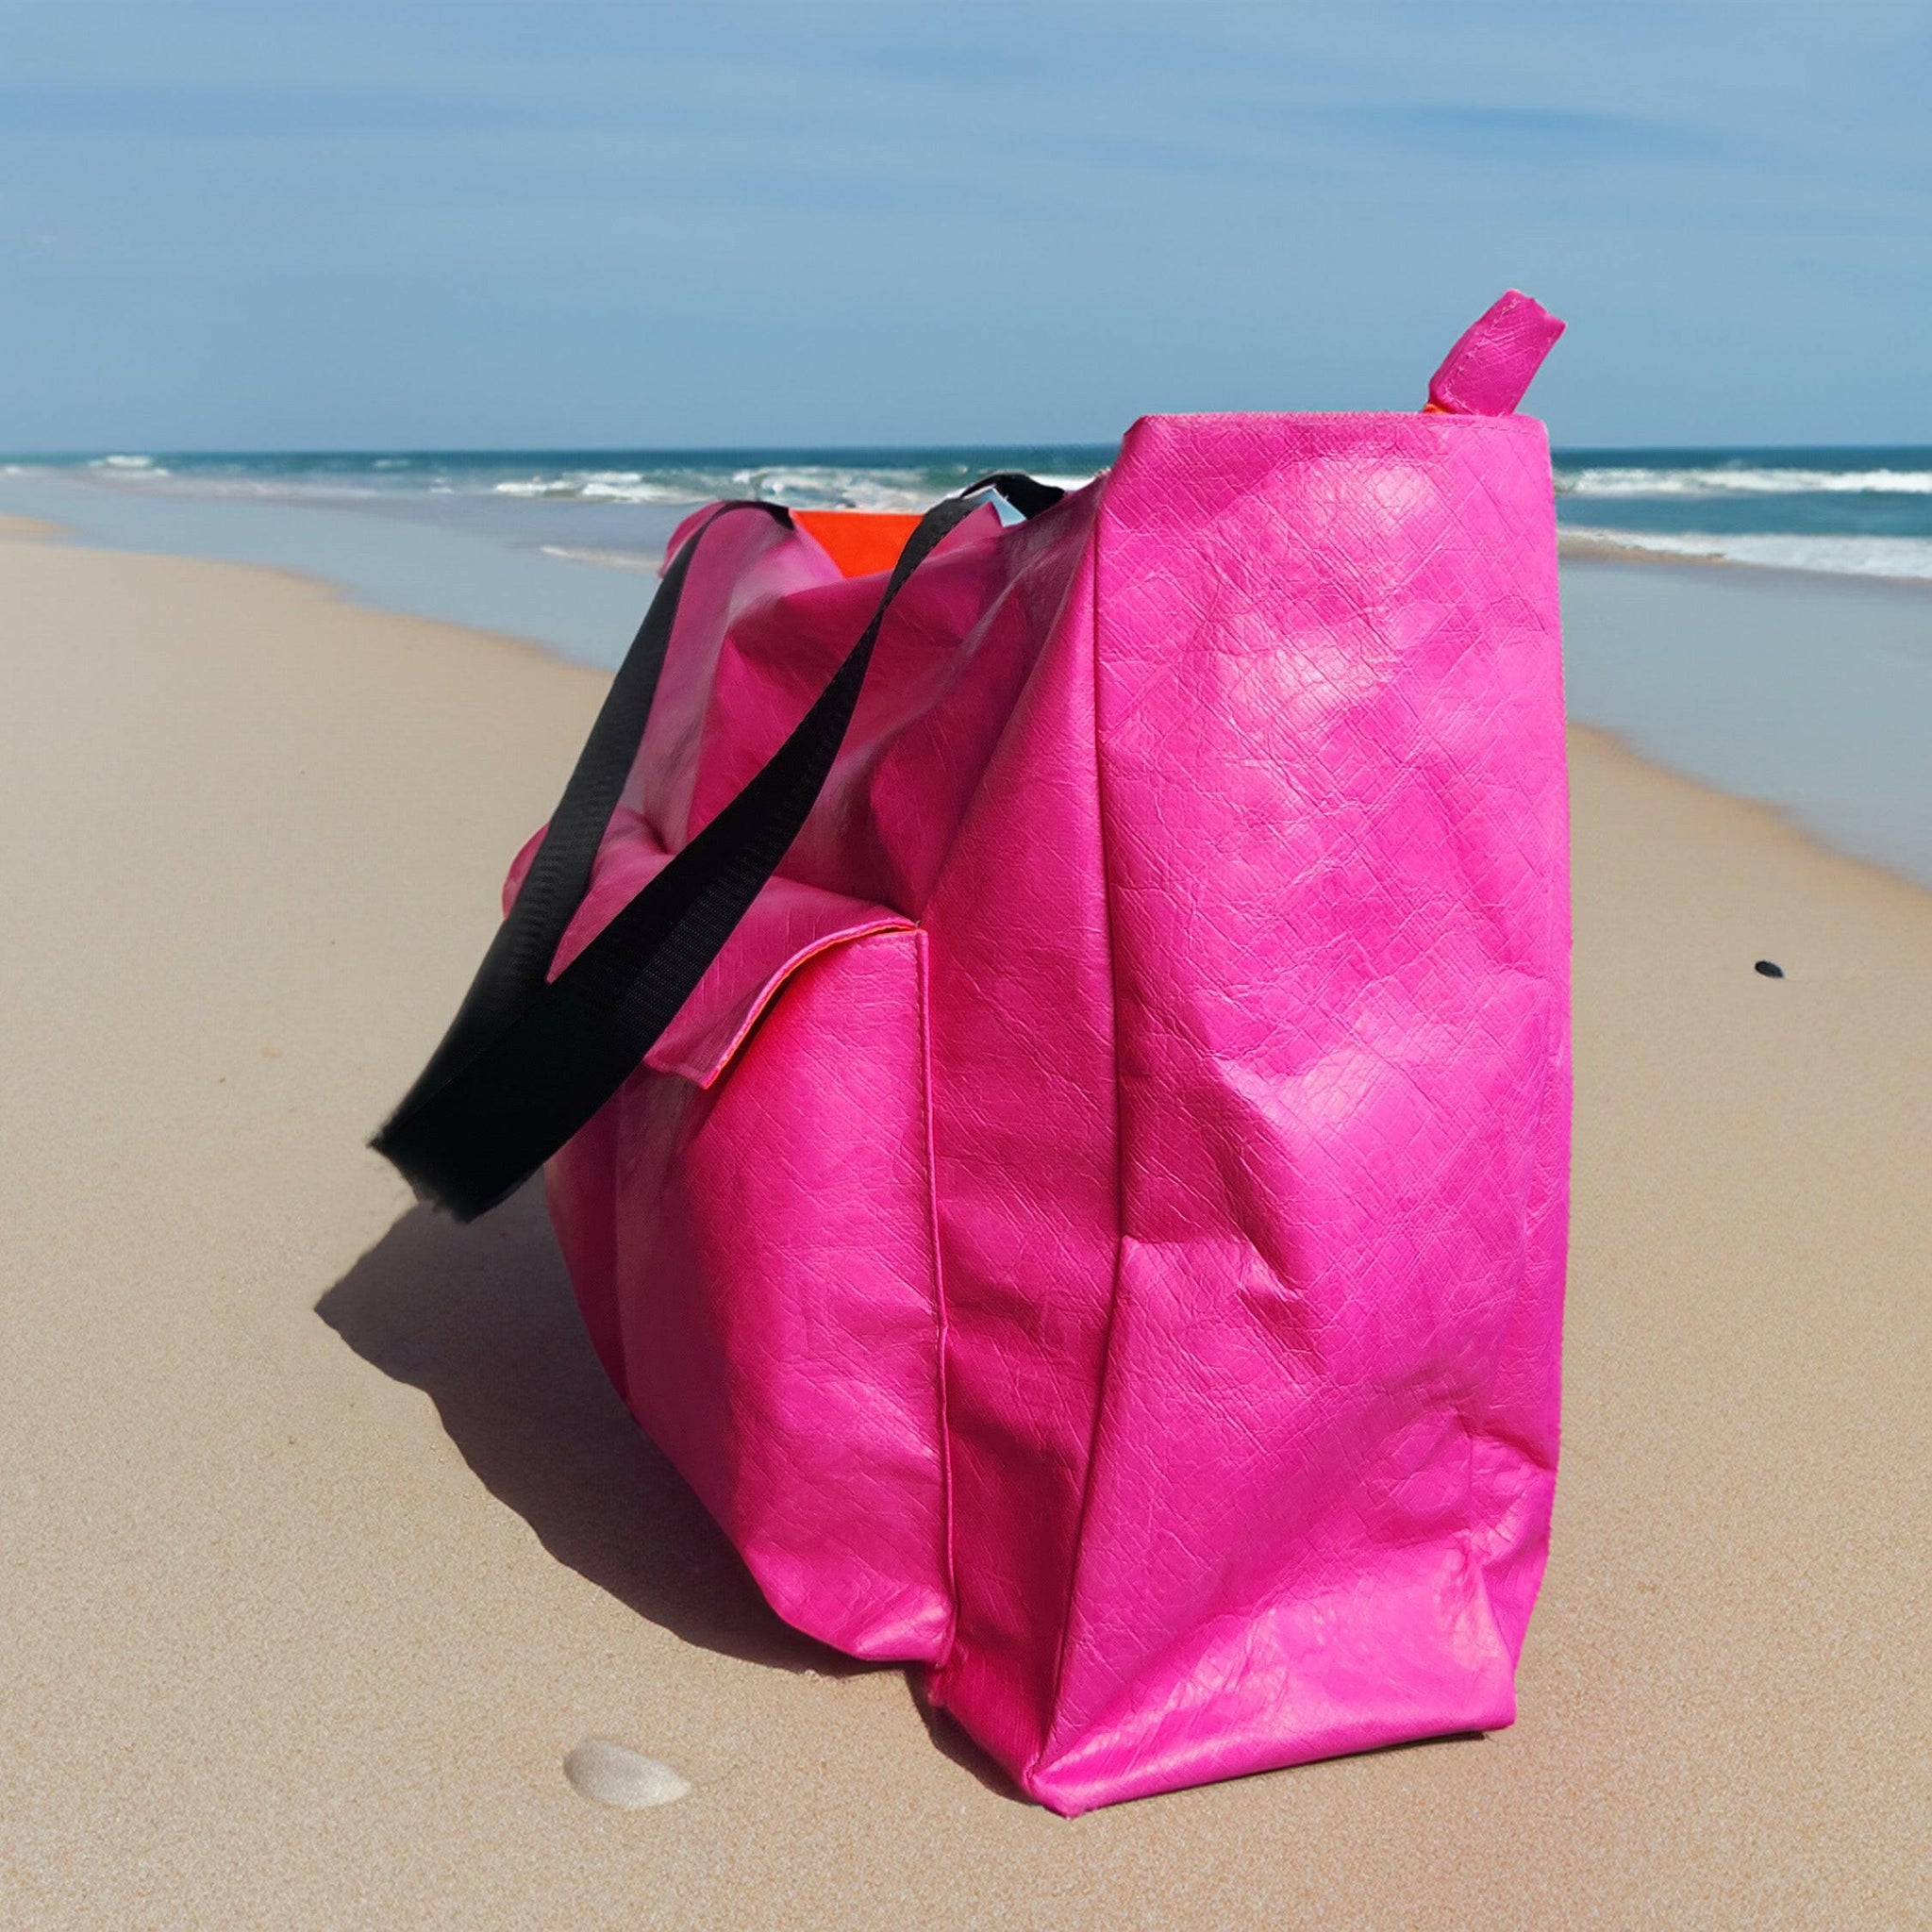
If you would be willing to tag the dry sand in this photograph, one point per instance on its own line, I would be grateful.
(324, 1543)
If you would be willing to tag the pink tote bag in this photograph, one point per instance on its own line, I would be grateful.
(1053, 1067)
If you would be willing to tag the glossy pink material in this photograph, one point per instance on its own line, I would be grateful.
(1098, 1230)
(1495, 358)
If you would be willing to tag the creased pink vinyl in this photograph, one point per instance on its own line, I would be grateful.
(1097, 1231)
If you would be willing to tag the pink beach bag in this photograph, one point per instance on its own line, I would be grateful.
(1053, 1066)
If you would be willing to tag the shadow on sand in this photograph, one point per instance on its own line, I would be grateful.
(481, 1320)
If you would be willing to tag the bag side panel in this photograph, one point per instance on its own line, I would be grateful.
(772, 1276)
(1024, 1159)
(678, 1214)
(1332, 784)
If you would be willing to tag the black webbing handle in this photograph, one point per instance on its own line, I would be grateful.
(528, 1060)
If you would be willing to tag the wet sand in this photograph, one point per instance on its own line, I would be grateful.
(326, 1544)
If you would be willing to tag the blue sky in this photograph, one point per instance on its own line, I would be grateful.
(545, 221)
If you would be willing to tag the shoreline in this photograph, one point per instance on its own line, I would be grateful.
(22, 529)
(1790, 688)
(1600, 544)
(1575, 542)
(1774, 814)
(328, 1541)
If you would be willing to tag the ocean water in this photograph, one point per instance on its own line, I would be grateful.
(1864, 512)
(546, 545)
(1803, 679)
(610, 507)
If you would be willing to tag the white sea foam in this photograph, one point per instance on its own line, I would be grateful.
(912, 486)
(1725, 480)
(1863, 557)
(610, 559)
(601, 487)
(129, 469)
(808, 485)
(817, 486)
(824, 487)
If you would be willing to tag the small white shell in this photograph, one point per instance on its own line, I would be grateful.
(608, 1773)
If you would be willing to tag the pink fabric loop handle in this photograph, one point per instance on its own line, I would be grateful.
(1495, 358)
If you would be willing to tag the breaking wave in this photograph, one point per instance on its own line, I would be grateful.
(1863, 557)
(1740, 480)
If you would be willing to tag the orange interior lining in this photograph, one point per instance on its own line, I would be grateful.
(859, 542)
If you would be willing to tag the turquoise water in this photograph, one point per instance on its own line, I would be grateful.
(1860, 512)
(612, 507)
(1852, 511)
(501, 538)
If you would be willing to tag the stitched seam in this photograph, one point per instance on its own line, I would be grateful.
(1479, 1421)
(705, 1070)
(1554, 1022)
(939, 1296)
(1106, 1379)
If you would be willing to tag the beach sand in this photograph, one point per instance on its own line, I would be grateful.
(324, 1542)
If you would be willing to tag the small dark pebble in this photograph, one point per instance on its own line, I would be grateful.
(1770, 968)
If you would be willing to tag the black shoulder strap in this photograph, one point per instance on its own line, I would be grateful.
(528, 1060)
